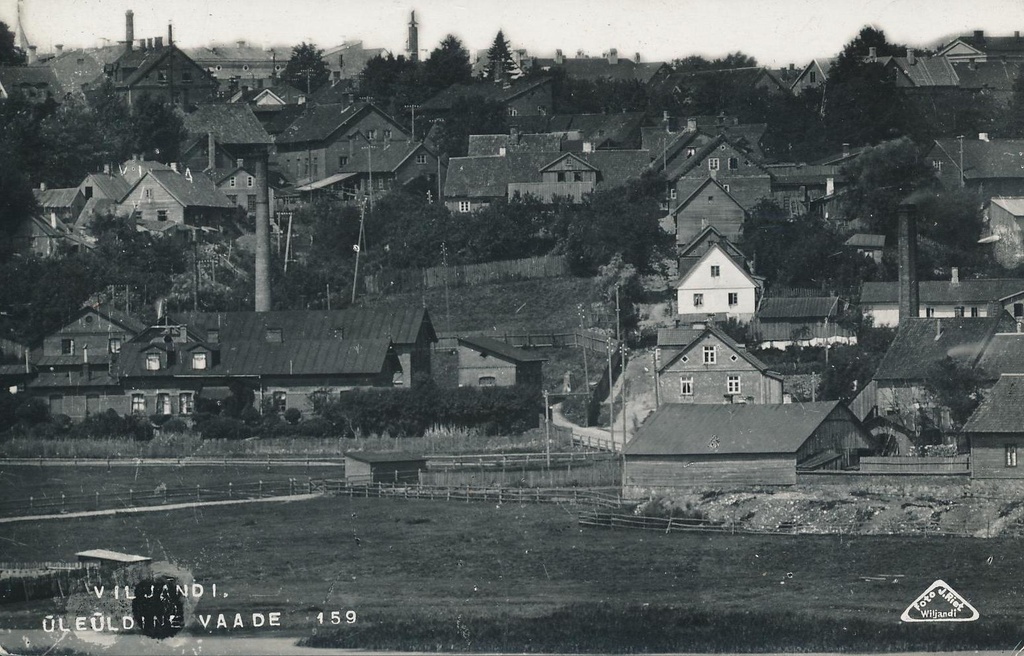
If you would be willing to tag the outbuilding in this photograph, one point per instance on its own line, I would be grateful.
(686, 446)
(996, 431)
(398, 467)
(487, 362)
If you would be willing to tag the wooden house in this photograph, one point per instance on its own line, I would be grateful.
(710, 204)
(813, 75)
(165, 200)
(734, 165)
(996, 431)
(692, 252)
(704, 365)
(366, 468)
(688, 446)
(717, 285)
(941, 299)
(36, 84)
(868, 245)
(487, 362)
(65, 204)
(991, 167)
(803, 321)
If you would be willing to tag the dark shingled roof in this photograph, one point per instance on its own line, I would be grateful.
(25, 78)
(491, 144)
(740, 429)
(798, 308)
(56, 198)
(861, 240)
(200, 192)
(321, 357)
(944, 291)
(1003, 355)
(669, 356)
(928, 71)
(320, 121)
(996, 158)
(916, 348)
(229, 123)
(500, 349)
(991, 45)
(112, 186)
(1000, 411)
(599, 68)
(400, 326)
(446, 99)
(992, 75)
(98, 377)
(678, 336)
(616, 129)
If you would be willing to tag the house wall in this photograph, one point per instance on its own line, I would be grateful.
(839, 432)
(646, 476)
(747, 183)
(318, 160)
(988, 455)
(712, 206)
(474, 365)
(175, 89)
(710, 381)
(888, 314)
(716, 290)
(454, 204)
(79, 402)
(92, 331)
(536, 102)
(149, 208)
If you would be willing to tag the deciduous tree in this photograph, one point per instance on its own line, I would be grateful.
(306, 70)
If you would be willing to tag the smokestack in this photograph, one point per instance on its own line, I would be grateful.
(211, 152)
(170, 34)
(158, 42)
(911, 57)
(909, 301)
(129, 29)
(263, 301)
(955, 277)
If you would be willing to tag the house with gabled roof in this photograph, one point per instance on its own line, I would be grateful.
(709, 205)
(166, 200)
(64, 204)
(36, 84)
(488, 362)
(781, 322)
(995, 431)
(691, 253)
(813, 75)
(868, 245)
(981, 47)
(704, 365)
(991, 167)
(682, 447)
(519, 97)
(610, 66)
(945, 298)
(717, 285)
(689, 161)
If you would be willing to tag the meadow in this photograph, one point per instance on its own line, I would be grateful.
(475, 576)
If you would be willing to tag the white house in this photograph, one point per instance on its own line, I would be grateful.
(717, 285)
(942, 299)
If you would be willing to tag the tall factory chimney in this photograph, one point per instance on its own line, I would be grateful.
(412, 47)
(129, 29)
(909, 301)
(263, 303)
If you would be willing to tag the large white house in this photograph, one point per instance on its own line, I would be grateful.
(717, 285)
(942, 299)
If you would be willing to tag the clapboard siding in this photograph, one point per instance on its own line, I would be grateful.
(839, 432)
(988, 455)
(644, 475)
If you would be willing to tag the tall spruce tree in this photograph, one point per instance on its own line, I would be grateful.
(500, 65)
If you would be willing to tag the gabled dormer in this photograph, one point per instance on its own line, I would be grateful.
(569, 168)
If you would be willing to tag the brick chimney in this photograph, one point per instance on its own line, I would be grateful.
(59, 49)
(32, 57)
(211, 151)
(954, 278)
(559, 59)
(129, 29)
(636, 58)
(979, 36)
(909, 300)
(613, 56)
(872, 54)
(911, 57)
(170, 34)
(158, 43)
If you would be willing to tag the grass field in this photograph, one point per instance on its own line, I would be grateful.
(454, 576)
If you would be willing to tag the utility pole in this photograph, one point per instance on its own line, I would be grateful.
(617, 322)
(611, 396)
(547, 434)
(195, 269)
(413, 108)
(357, 248)
(622, 345)
(960, 138)
(654, 374)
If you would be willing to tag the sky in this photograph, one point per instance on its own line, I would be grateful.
(776, 32)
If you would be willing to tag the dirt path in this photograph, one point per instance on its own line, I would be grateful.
(147, 509)
(595, 437)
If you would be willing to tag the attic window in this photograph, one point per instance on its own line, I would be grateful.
(421, 158)
(690, 152)
(937, 165)
(713, 164)
(186, 76)
(734, 163)
(199, 361)
(710, 355)
(273, 335)
(152, 362)
(685, 358)
(733, 357)
(342, 160)
(213, 335)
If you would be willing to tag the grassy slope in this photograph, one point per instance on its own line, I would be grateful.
(472, 576)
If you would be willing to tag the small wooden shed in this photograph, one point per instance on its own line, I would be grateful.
(398, 467)
(996, 431)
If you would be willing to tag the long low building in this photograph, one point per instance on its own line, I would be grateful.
(686, 446)
(945, 298)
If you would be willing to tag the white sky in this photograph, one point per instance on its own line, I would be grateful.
(776, 32)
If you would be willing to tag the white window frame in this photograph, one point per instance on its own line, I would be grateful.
(152, 362)
(673, 193)
(733, 385)
(138, 404)
(716, 271)
(114, 344)
(698, 300)
(163, 404)
(714, 164)
(200, 360)
(464, 207)
(232, 183)
(734, 298)
(186, 403)
(250, 181)
(686, 387)
(421, 158)
(710, 354)
(1010, 452)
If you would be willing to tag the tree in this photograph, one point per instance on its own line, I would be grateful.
(17, 202)
(306, 70)
(880, 178)
(448, 64)
(392, 82)
(158, 129)
(956, 387)
(470, 115)
(10, 55)
(500, 65)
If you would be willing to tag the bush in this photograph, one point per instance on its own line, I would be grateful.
(225, 428)
(292, 415)
(250, 416)
(110, 424)
(174, 426)
(33, 411)
(317, 427)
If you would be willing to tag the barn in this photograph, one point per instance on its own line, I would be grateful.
(996, 431)
(685, 446)
(398, 467)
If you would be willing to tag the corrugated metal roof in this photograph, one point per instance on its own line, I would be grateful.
(728, 429)
(944, 291)
(56, 198)
(1000, 411)
(98, 377)
(501, 349)
(803, 308)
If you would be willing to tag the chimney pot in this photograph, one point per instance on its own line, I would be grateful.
(911, 57)
(59, 48)
(32, 58)
(792, 66)
(979, 35)
(955, 277)
(983, 136)
(158, 42)
(636, 58)
(613, 56)
(559, 59)
(170, 34)
(872, 54)
(240, 43)
(106, 169)
(42, 186)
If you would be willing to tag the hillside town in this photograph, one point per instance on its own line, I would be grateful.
(704, 290)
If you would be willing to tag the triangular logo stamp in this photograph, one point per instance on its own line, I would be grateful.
(940, 603)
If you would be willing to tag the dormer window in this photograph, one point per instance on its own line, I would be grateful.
(213, 335)
(273, 335)
(152, 362)
(199, 360)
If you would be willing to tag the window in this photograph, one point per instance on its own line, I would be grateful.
(343, 160)
(280, 401)
(421, 158)
(161, 77)
(161, 215)
(147, 193)
(711, 199)
(163, 403)
(512, 111)
(185, 403)
(958, 311)
(732, 385)
(250, 203)
(233, 198)
(673, 193)
(199, 361)
(152, 362)
(726, 187)
(380, 183)
(88, 192)
(250, 181)
(1018, 309)
(713, 164)
(67, 347)
(734, 163)
(232, 183)
(138, 404)
(464, 206)
(937, 165)
(316, 165)
(245, 67)
(929, 312)
(698, 300)
(486, 381)
(734, 298)
(186, 76)
(1011, 455)
(273, 335)
(213, 336)
(716, 271)
(387, 134)
(814, 77)
(371, 134)
(974, 312)
(685, 387)
(710, 355)
(114, 345)
(690, 152)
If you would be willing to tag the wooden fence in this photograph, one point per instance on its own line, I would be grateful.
(916, 465)
(588, 339)
(578, 473)
(459, 275)
(514, 460)
(466, 493)
(42, 585)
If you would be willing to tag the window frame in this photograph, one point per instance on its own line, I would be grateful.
(138, 404)
(164, 406)
(716, 271)
(465, 207)
(151, 359)
(733, 384)
(186, 403)
(710, 354)
(698, 299)
(200, 357)
(67, 346)
(1010, 455)
(734, 298)
(686, 386)
(714, 164)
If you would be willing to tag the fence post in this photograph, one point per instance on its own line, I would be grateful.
(31, 502)
(62, 502)
(97, 500)
(198, 495)
(231, 493)
(131, 497)
(309, 485)
(259, 492)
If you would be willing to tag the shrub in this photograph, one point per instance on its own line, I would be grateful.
(174, 426)
(317, 427)
(33, 411)
(250, 416)
(225, 428)
(292, 415)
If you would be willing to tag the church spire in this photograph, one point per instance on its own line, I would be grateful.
(20, 38)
